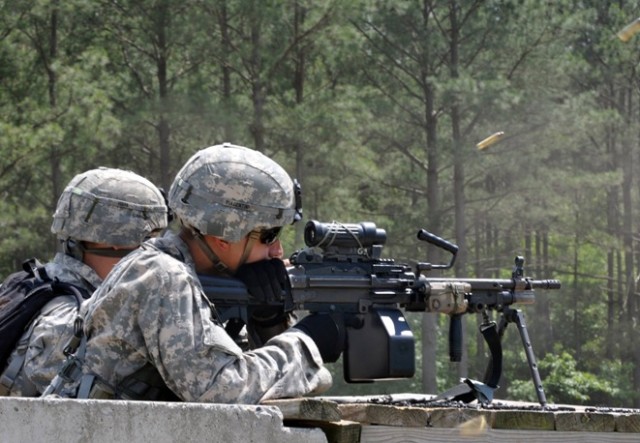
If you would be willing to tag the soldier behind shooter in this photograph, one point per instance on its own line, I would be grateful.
(152, 334)
(101, 216)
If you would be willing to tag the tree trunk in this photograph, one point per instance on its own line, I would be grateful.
(611, 307)
(458, 174)
(429, 321)
(298, 86)
(225, 68)
(54, 152)
(257, 87)
(163, 128)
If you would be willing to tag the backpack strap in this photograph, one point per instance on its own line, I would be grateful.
(86, 384)
(35, 268)
(71, 370)
(144, 384)
(8, 377)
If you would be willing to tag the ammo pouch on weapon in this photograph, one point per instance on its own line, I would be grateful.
(144, 384)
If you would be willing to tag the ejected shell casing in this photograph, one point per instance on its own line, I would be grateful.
(475, 427)
(494, 138)
(629, 31)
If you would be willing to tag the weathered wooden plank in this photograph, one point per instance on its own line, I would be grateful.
(452, 417)
(335, 431)
(341, 420)
(408, 397)
(306, 409)
(318, 413)
(385, 415)
(524, 420)
(628, 423)
(342, 431)
(585, 421)
(392, 434)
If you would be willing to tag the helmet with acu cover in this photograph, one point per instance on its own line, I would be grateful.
(227, 191)
(112, 206)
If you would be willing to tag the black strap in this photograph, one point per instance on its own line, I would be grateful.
(494, 367)
(36, 269)
(145, 384)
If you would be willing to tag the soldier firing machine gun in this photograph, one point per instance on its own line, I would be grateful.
(341, 270)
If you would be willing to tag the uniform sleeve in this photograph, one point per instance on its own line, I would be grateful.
(199, 361)
(51, 333)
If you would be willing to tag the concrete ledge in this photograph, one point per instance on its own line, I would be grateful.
(97, 421)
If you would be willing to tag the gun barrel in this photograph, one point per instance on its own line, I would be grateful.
(546, 284)
(489, 284)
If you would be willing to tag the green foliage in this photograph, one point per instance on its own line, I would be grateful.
(23, 234)
(564, 383)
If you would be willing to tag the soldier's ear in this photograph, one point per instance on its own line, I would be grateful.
(218, 244)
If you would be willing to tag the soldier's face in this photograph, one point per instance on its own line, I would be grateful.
(259, 251)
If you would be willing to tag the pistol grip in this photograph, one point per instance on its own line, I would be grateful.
(455, 338)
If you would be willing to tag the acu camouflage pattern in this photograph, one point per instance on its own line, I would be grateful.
(151, 308)
(109, 206)
(227, 191)
(102, 205)
(43, 343)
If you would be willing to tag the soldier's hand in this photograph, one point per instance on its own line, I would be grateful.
(266, 280)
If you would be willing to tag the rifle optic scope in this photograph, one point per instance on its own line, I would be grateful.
(347, 235)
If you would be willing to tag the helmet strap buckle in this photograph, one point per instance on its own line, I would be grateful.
(206, 249)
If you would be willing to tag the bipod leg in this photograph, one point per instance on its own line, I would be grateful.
(492, 337)
(516, 316)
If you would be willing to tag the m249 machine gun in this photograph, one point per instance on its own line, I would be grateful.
(341, 271)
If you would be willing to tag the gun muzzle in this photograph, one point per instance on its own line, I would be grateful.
(545, 284)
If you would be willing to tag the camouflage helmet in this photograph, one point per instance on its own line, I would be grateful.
(111, 206)
(228, 191)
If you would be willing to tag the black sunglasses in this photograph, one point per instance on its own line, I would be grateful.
(269, 236)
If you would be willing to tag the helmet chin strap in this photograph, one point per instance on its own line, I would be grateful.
(73, 248)
(206, 249)
(253, 237)
(108, 252)
(77, 250)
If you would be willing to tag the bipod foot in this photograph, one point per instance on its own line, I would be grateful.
(469, 390)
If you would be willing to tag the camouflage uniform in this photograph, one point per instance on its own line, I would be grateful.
(43, 344)
(103, 205)
(151, 309)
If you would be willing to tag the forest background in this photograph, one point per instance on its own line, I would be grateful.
(376, 107)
